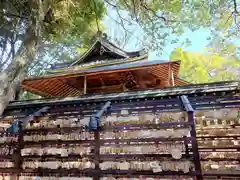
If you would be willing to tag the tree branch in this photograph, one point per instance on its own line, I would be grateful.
(121, 23)
(235, 13)
(134, 10)
(235, 6)
(96, 18)
(110, 4)
(117, 9)
(152, 11)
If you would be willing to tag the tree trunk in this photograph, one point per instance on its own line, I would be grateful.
(26, 53)
(19, 91)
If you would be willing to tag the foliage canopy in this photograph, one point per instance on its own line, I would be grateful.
(203, 68)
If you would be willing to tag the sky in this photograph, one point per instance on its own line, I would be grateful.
(198, 38)
(198, 43)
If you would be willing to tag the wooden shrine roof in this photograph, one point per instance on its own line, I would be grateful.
(102, 44)
(100, 64)
(103, 78)
(101, 49)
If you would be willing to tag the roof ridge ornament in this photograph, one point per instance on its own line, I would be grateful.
(100, 35)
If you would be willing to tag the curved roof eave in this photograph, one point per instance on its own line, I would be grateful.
(109, 46)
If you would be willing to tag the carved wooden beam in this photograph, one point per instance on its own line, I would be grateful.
(128, 79)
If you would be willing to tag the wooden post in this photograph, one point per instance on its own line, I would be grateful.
(85, 85)
(172, 77)
(190, 116)
(169, 74)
